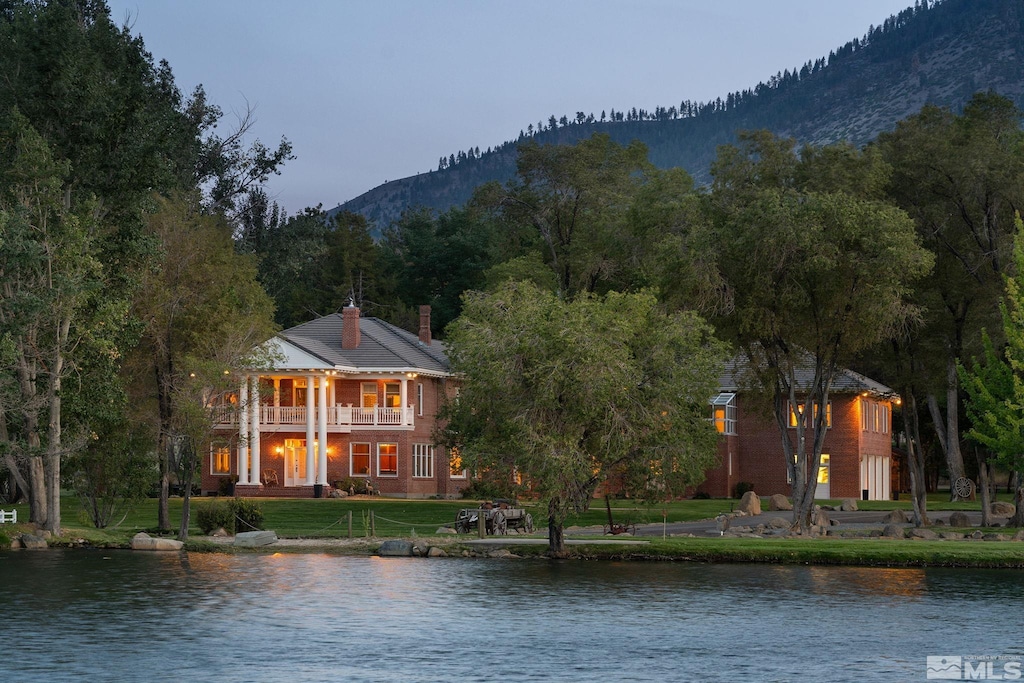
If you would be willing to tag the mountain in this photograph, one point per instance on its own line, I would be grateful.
(938, 52)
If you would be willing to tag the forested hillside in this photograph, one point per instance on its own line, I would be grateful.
(939, 53)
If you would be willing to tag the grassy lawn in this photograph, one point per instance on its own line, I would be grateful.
(329, 518)
(862, 552)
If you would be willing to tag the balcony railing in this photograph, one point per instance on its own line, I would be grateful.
(344, 416)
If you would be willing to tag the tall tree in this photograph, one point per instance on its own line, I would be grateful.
(566, 394)
(960, 177)
(203, 313)
(994, 384)
(804, 271)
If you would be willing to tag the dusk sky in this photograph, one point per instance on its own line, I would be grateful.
(370, 91)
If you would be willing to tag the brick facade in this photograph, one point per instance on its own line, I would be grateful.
(755, 455)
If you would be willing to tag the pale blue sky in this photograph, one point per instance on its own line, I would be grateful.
(374, 90)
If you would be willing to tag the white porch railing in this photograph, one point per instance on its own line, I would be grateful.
(336, 416)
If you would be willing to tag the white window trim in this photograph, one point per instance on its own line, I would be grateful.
(214, 448)
(419, 399)
(728, 400)
(351, 459)
(422, 454)
(363, 393)
(390, 475)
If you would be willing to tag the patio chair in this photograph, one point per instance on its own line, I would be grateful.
(270, 478)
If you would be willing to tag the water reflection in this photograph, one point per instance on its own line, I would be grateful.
(113, 615)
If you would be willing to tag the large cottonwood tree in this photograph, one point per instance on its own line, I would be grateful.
(960, 177)
(813, 272)
(564, 395)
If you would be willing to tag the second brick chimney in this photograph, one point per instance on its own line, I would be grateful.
(425, 325)
(350, 327)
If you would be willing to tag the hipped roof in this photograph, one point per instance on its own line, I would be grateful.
(382, 347)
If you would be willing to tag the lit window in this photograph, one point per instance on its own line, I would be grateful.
(360, 460)
(220, 459)
(456, 470)
(369, 390)
(885, 419)
(392, 395)
(723, 413)
(422, 461)
(823, 469)
(800, 409)
(387, 459)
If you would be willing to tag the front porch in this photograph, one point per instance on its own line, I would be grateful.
(260, 491)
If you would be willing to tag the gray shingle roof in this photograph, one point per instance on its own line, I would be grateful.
(736, 377)
(382, 346)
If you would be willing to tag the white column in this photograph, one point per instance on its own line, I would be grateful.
(277, 399)
(403, 399)
(310, 456)
(243, 432)
(321, 424)
(254, 430)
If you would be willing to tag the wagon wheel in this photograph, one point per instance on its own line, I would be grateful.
(962, 488)
(460, 527)
(499, 524)
(528, 523)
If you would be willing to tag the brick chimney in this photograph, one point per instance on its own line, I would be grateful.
(425, 325)
(350, 327)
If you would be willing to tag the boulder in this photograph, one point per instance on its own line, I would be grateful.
(143, 541)
(395, 548)
(779, 503)
(960, 519)
(896, 517)
(255, 539)
(436, 552)
(420, 549)
(926, 534)
(893, 531)
(951, 535)
(995, 537)
(503, 553)
(779, 523)
(849, 505)
(1001, 509)
(750, 504)
(977, 536)
(1019, 536)
(338, 493)
(820, 518)
(32, 541)
(445, 530)
(220, 533)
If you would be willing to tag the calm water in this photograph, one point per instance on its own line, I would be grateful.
(122, 616)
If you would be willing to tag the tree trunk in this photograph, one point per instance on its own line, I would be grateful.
(188, 467)
(164, 444)
(947, 431)
(36, 490)
(915, 459)
(984, 488)
(556, 532)
(1018, 500)
(20, 485)
(53, 430)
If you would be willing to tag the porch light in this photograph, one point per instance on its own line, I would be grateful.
(279, 450)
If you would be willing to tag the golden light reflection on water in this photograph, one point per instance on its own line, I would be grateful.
(875, 581)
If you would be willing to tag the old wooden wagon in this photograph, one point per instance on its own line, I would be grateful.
(498, 519)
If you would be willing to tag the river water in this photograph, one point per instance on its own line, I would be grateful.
(122, 616)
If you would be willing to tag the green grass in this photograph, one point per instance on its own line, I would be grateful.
(874, 552)
(328, 518)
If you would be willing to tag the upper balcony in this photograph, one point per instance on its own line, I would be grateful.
(339, 418)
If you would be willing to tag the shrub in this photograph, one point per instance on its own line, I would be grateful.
(214, 515)
(702, 495)
(484, 489)
(742, 487)
(350, 485)
(5, 540)
(246, 514)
